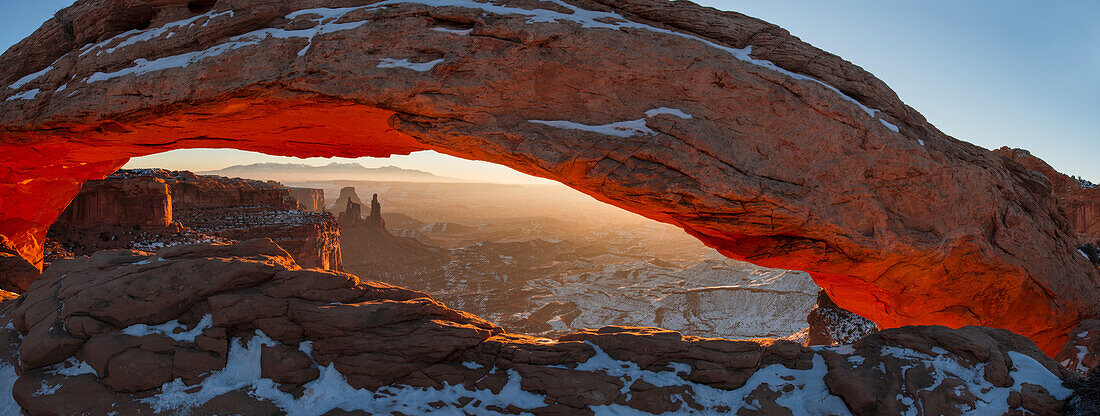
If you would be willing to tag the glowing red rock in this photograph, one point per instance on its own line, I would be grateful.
(758, 144)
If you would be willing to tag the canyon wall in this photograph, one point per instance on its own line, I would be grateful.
(762, 146)
(1079, 198)
(151, 208)
(312, 200)
(141, 202)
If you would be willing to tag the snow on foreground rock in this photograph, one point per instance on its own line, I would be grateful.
(241, 329)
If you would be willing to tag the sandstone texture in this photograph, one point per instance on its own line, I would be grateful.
(832, 325)
(309, 199)
(138, 202)
(762, 146)
(148, 209)
(246, 331)
(206, 208)
(1079, 198)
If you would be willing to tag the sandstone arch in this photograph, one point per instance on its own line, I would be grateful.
(758, 144)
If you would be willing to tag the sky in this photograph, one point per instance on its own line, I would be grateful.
(994, 73)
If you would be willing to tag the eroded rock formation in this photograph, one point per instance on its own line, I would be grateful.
(832, 325)
(1080, 199)
(310, 199)
(374, 219)
(249, 332)
(347, 197)
(369, 249)
(147, 209)
(123, 202)
(759, 144)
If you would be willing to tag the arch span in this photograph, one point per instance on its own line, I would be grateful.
(758, 144)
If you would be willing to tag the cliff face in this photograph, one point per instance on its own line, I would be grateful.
(764, 147)
(147, 209)
(1080, 199)
(313, 239)
(309, 199)
(137, 202)
(16, 273)
(250, 333)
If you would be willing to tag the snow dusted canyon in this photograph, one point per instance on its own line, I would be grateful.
(174, 293)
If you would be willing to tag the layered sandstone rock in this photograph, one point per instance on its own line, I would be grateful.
(1080, 199)
(172, 208)
(309, 199)
(198, 193)
(832, 325)
(759, 144)
(248, 332)
(314, 239)
(133, 202)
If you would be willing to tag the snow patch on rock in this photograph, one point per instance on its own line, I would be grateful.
(332, 391)
(134, 37)
(991, 400)
(26, 95)
(23, 81)
(670, 111)
(802, 391)
(453, 31)
(8, 406)
(404, 63)
(71, 368)
(171, 329)
(325, 24)
(629, 128)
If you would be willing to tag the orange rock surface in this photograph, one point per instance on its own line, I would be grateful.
(762, 146)
(1079, 199)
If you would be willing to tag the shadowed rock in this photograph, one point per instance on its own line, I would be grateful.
(245, 330)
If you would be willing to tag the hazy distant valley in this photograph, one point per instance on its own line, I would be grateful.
(545, 260)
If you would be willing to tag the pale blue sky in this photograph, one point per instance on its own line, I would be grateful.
(991, 72)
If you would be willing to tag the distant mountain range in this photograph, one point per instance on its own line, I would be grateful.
(297, 172)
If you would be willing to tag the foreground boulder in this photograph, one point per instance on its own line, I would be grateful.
(762, 146)
(241, 329)
(832, 325)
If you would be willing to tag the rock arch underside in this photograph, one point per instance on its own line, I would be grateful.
(758, 144)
